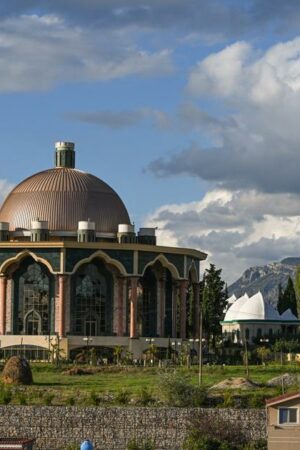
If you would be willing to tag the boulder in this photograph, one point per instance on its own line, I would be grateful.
(17, 371)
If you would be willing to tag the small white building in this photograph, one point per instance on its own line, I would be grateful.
(253, 317)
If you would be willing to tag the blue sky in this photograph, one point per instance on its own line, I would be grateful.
(189, 110)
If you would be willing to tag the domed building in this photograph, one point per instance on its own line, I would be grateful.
(74, 271)
(253, 318)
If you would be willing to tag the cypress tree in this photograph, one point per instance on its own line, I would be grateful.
(297, 289)
(213, 302)
(289, 300)
(280, 298)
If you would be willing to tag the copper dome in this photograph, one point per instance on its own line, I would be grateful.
(64, 196)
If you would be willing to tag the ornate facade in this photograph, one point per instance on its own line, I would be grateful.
(72, 269)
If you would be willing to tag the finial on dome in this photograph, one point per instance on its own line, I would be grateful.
(65, 154)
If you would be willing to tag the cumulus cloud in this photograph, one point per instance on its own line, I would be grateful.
(237, 229)
(37, 52)
(255, 141)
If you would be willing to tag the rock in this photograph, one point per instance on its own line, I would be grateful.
(235, 383)
(17, 371)
(287, 379)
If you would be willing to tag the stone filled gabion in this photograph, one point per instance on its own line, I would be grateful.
(17, 371)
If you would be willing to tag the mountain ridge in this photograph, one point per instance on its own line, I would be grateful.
(266, 279)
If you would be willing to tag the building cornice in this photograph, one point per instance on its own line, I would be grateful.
(197, 254)
(262, 321)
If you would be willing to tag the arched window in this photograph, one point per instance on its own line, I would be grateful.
(247, 334)
(33, 323)
(32, 299)
(91, 313)
(259, 334)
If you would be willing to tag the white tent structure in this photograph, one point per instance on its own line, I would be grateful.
(254, 318)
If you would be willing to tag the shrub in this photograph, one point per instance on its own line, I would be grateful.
(205, 443)
(72, 447)
(228, 400)
(94, 399)
(70, 401)
(5, 396)
(257, 400)
(22, 399)
(178, 391)
(48, 399)
(205, 428)
(17, 371)
(145, 397)
(123, 397)
(144, 445)
(261, 444)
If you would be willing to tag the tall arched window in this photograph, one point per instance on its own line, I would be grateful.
(91, 312)
(32, 305)
(259, 333)
(147, 304)
(247, 334)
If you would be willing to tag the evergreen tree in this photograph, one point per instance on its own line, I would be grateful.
(280, 295)
(297, 289)
(288, 299)
(213, 302)
(226, 291)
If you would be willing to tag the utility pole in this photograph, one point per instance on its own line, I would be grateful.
(246, 356)
(200, 345)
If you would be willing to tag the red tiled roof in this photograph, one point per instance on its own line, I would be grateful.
(281, 398)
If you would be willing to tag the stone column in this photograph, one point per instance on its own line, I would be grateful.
(133, 307)
(61, 304)
(196, 289)
(3, 284)
(120, 302)
(174, 310)
(183, 292)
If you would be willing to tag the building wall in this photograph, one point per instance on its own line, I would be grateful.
(111, 428)
(253, 327)
(285, 437)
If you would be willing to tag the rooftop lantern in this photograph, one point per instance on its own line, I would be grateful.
(39, 230)
(126, 234)
(64, 155)
(86, 231)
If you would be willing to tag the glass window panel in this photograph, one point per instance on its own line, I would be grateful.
(292, 415)
(91, 302)
(287, 415)
(283, 415)
(33, 308)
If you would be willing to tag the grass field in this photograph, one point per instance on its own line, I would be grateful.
(52, 382)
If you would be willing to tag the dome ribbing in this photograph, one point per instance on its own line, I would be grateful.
(63, 197)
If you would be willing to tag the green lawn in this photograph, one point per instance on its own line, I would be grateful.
(50, 381)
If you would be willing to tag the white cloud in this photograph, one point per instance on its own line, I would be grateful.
(253, 139)
(37, 52)
(239, 72)
(237, 229)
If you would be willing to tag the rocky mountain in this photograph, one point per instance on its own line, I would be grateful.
(265, 279)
